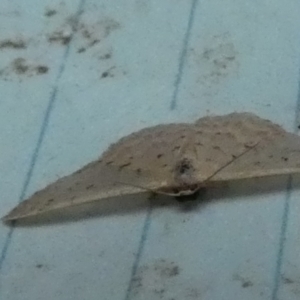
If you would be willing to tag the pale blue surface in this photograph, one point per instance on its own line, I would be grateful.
(169, 61)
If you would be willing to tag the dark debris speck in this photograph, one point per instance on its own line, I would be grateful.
(94, 42)
(105, 74)
(19, 66)
(287, 280)
(39, 266)
(50, 12)
(42, 69)
(247, 284)
(59, 37)
(13, 44)
(106, 56)
(81, 50)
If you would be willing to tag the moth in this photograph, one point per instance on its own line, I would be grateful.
(175, 160)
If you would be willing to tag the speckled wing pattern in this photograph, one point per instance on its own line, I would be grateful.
(277, 151)
(136, 160)
(174, 159)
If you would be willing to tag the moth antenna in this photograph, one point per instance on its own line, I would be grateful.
(231, 161)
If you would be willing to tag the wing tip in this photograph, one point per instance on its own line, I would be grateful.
(13, 215)
(9, 217)
(7, 220)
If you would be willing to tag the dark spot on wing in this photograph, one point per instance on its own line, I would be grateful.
(159, 155)
(89, 186)
(124, 165)
(49, 201)
(284, 158)
(230, 135)
(184, 167)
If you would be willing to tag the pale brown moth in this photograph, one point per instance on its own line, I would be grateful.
(176, 160)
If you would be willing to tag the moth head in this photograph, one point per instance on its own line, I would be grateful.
(180, 190)
(184, 170)
(186, 190)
